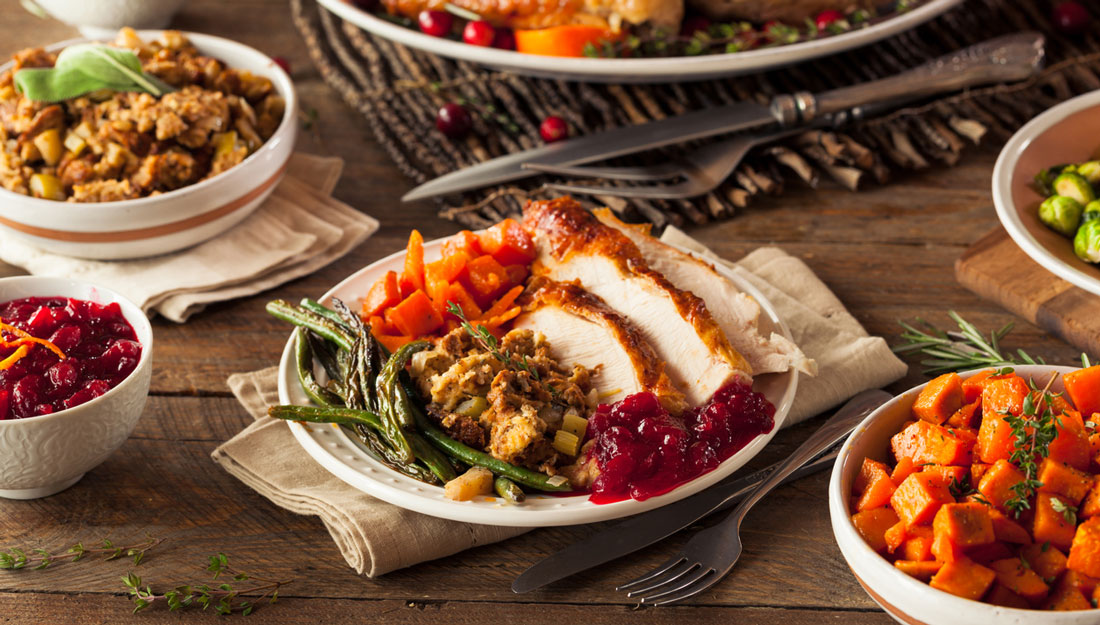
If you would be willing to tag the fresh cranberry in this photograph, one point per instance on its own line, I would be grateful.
(825, 18)
(1071, 18)
(453, 120)
(282, 62)
(553, 128)
(25, 395)
(435, 23)
(479, 33)
(694, 24)
(63, 376)
(505, 39)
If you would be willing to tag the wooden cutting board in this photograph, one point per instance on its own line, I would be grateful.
(996, 269)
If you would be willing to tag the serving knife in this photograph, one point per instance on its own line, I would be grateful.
(645, 529)
(1004, 59)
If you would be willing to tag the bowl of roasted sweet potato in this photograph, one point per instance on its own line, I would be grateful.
(975, 498)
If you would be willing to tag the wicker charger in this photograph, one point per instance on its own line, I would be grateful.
(399, 90)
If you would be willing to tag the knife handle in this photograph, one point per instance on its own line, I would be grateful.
(1004, 59)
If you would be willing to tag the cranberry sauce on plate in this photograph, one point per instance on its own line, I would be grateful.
(99, 346)
(642, 451)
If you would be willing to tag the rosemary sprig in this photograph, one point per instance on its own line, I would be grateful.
(1032, 434)
(224, 598)
(483, 336)
(966, 348)
(38, 559)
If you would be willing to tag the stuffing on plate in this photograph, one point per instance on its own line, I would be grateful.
(107, 145)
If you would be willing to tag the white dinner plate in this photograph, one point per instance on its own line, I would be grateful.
(346, 458)
(652, 70)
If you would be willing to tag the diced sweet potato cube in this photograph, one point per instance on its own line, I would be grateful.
(466, 242)
(1067, 598)
(1084, 552)
(918, 498)
(1020, 579)
(873, 485)
(944, 550)
(1075, 579)
(990, 552)
(974, 385)
(1004, 394)
(1061, 479)
(872, 526)
(895, 536)
(1044, 559)
(966, 524)
(1007, 530)
(1051, 522)
(1071, 445)
(922, 570)
(948, 474)
(918, 545)
(963, 578)
(1090, 507)
(995, 438)
(939, 399)
(927, 443)
(996, 485)
(964, 417)
(977, 471)
(902, 470)
(999, 595)
(1083, 388)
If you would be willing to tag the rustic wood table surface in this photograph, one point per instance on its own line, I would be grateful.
(887, 252)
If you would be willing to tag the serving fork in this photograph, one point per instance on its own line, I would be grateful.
(711, 553)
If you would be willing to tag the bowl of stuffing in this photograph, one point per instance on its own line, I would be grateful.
(145, 145)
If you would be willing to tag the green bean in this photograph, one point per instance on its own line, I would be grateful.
(476, 458)
(315, 414)
(324, 327)
(304, 360)
(325, 353)
(509, 490)
(326, 312)
(353, 380)
(385, 454)
(432, 458)
(388, 412)
(388, 382)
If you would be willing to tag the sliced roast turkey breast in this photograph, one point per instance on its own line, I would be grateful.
(736, 312)
(573, 246)
(580, 328)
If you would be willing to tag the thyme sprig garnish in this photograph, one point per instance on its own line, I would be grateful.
(958, 350)
(483, 336)
(224, 598)
(1032, 432)
(37, 559)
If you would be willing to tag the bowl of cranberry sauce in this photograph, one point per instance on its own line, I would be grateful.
(75, 367)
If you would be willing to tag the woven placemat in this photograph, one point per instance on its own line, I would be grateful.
(399, 90)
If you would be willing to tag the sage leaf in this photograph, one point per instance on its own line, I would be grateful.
(86, 67)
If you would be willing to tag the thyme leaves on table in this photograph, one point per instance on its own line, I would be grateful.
(37, 559)
(224, 597)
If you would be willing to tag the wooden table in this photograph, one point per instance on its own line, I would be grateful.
(887, 253)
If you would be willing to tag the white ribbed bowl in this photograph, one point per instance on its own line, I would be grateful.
(170, 221)
(43, 455)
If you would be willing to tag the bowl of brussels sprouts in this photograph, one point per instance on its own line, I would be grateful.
(1046, 188)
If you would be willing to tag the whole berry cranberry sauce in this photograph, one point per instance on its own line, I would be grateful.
(101, 346)
(643, 451)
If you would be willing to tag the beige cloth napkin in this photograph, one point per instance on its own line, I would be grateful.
(296, 231)
(376, 537)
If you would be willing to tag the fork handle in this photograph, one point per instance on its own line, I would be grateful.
(1004, 59)
(837, 427)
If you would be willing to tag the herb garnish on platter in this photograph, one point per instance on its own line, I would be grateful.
(87, 67)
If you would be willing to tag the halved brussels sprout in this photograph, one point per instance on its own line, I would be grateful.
(1087, 242)
(1044, 180)
(1061, 214)
(1091, 212)
(1071, 184)
(1090, 171)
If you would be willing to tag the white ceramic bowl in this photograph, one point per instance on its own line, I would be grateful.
(171, 221)
(909, 600)
(43, 455)
(100, 18)
(1065, 133)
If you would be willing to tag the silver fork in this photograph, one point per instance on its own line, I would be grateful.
(703, 170)
(711, 553)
